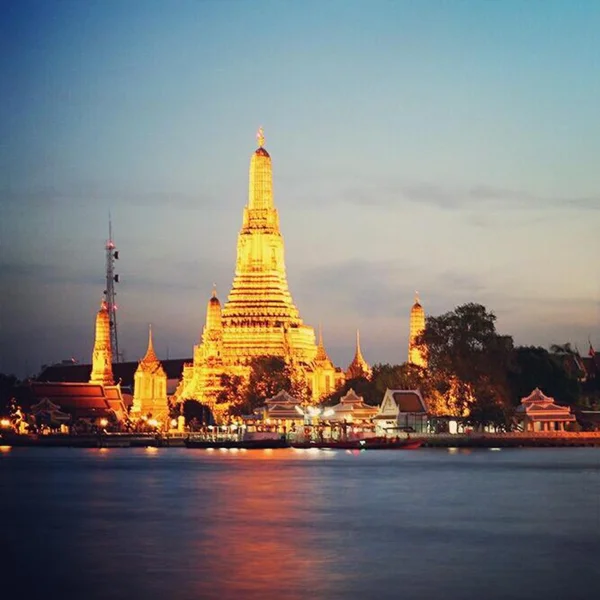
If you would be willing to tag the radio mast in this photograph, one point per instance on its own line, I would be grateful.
(112, 254)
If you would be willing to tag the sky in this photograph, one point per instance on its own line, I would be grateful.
(449, 147)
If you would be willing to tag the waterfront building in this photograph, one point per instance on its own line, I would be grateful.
(87, 403)
(259, 317)
(150, 387)
(283, 408)
(401, 410)
(359, 366)
(352, 408)
(538, 412)
(416, 356)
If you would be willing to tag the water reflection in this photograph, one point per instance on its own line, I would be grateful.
(259, 540)
(182, 524)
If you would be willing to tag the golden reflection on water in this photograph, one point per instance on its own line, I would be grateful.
(261, 539)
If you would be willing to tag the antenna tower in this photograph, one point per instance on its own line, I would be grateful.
(112, 254)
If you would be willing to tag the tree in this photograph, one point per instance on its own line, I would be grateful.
(468, 360)
(8, 384)
(233, 392)
(533, 367)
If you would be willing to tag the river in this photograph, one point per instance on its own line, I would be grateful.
(173, 523)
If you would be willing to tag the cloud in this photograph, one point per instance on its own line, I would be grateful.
(84, 194)
(448, 197)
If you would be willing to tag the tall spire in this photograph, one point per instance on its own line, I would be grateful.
(260, 192)
(102, 353)
(150, 356)
(321, 355)
(417, 325)
(359, 366)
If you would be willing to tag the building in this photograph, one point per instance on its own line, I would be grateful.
(82, 402)
(150, 388)
(102, 353)
(416, 356)
(353, 409)
(259, 317)
(359, 366)
(401, 410)
(538, 412)
(88, 401)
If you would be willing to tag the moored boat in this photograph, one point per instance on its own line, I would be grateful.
(261, 444)
(364, 444)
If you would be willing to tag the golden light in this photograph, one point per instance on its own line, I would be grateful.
(5, 423)
(173, 422)
(244, 326)
(5, 448)
(103, 422)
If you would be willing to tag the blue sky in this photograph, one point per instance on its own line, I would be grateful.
(446, 147)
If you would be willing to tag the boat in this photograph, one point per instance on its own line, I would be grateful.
(263, 444)
(364, 444)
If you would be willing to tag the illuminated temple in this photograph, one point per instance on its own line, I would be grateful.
(259, 317)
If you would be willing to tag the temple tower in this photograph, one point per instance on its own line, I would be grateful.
(326, 377)
(150, 387)
(417, 325)
(259, 316)
(212, 334)
(102, 354)
(359, 366)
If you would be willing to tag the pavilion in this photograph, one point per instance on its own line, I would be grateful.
(538, 412)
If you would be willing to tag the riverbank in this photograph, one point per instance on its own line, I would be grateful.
(177, 440)
(549, 439)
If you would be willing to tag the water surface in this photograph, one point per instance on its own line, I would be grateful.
(169, 523)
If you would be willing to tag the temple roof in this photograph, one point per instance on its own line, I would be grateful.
(80, 400)
(282, 397)
(321, 356)
(150, 362)
(539, 406)
(359, 366)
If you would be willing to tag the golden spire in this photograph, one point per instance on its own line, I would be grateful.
(359, 366)
(102, 353)
(214, 291)
(150, 356)
(260, 137)
(417, 326)
(321, 355)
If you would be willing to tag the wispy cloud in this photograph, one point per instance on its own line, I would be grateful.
(84, 194)
(387, 195)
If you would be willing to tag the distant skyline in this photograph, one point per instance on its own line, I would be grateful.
(446, 147)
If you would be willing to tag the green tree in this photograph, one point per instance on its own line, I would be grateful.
(233, 392)
(468, 360)
(533, 367)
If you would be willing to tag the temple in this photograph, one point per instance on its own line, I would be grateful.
(259, 317)
(359, 366)
(416, 356)
(102, 353)
(150, 389)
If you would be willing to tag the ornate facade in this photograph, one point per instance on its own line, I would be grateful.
(259, 317)
(150, 387)
(417, 325)
(102, 353)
